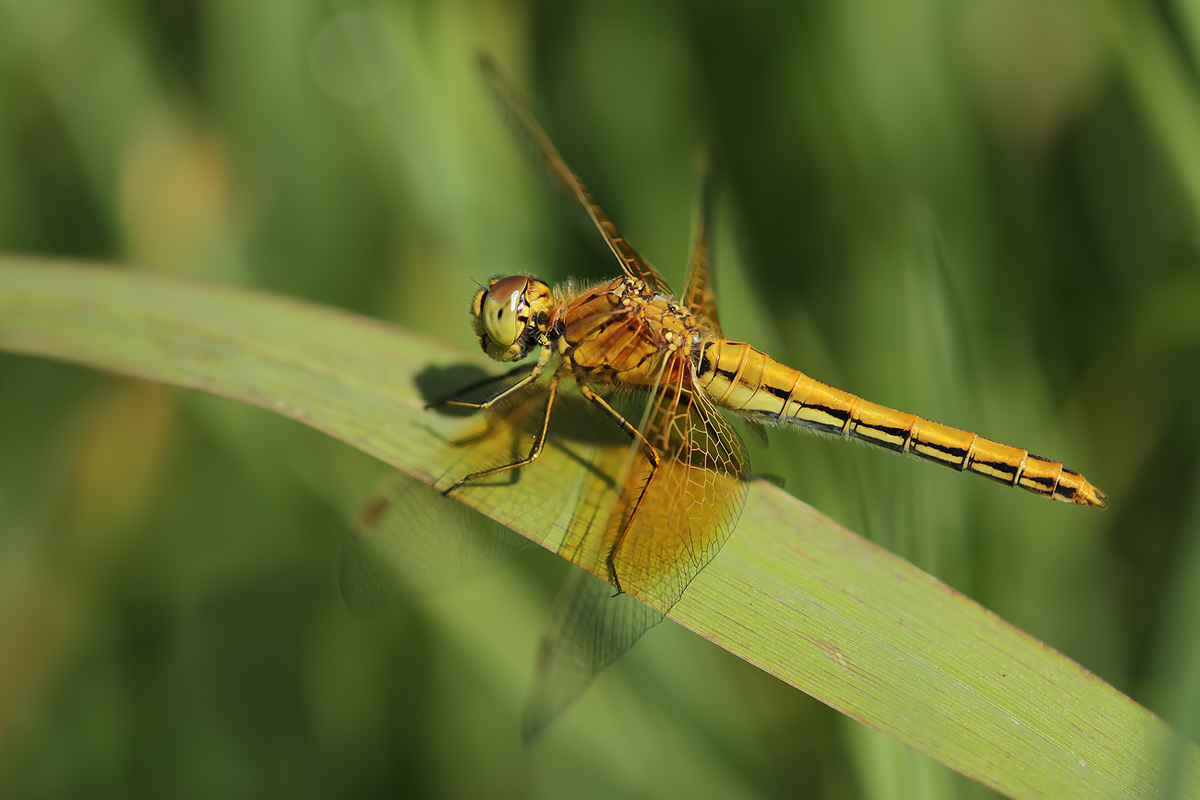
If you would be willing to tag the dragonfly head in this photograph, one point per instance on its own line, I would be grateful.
(508, 314)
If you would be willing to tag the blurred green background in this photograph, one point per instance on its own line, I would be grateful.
(985, 212)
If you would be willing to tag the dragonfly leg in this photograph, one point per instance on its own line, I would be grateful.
(451, 399)
(534, 451)
(535, 372)
(651, 454)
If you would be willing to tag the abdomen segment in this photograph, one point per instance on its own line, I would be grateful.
(742, 379)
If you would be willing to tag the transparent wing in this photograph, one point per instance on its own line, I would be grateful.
(657, 528)
(698, 294)
(686, 513)
(410, 540)
(632, 264)
(588, 630)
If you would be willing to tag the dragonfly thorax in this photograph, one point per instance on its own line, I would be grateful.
(509, 315)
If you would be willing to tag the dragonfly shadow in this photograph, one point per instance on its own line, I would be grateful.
(457, 382)
(576, 430)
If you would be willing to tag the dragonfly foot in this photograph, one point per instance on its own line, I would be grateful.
(614, 580)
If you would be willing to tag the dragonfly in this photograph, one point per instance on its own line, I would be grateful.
(682, 485)
(663, 494)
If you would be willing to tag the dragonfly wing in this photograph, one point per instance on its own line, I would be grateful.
(632, 264)
(588, 630)
(686, 513)
(656, 528)
(698, 294)
(410, 539)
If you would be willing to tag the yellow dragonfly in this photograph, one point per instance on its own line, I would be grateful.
(683, 483)
(659, 503)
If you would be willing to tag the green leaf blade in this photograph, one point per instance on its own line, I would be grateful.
(792, 592)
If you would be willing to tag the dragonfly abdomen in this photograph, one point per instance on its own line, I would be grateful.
(743, 379)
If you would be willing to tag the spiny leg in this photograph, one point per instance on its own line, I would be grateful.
(451, 399)
(534, 451)
(535, 372)
(654, 458)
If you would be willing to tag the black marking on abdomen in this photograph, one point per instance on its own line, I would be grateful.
(1066, 492)
(1001, 467)
(700, 357)
(954, 452)
(782, 394)
(840, 414)
(897, 447)
(1046, 481)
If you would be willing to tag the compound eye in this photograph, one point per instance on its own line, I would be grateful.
(501, 310)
